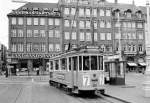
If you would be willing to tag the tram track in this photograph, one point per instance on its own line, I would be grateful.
(111, 99)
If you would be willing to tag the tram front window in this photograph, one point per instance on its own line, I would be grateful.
(86, 63)
(51, 65)
(57, 65)
(93, 62)
(64, 63)
(75, 63)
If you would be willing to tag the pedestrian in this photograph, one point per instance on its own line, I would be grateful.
(6, 73)
(37, 71)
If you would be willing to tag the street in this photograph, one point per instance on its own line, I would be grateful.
(29, 91)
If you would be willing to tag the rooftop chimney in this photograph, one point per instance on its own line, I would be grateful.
(133, 2)
(116, 1)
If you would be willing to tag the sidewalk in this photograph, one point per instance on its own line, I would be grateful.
(40, 78)
(133, 90)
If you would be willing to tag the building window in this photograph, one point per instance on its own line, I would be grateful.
(74, 35)
(20, 21)
(57, 47)
(13, 33)
(29, 33)
(66, 11)
(73, 10)
(103, 48)
(81, 24)
(20, 33)
(43, 47)
(50, 21)
(67, 35)
(57, 22)
(88, 13)
(42, 33)
(129, 24)
(133, 25)
(95, 24)
(13, 21)
(140, 35)
(102, 24)
(117, 24)
(36, 33)
(74, 23)
(129, 48)
(133, 36)
(95, 36)
(88, 37)
(29, 47)
(13, 47)
(88, 24)
(139, 25)
(102, 36)
(20, 47)
(117, 36)
(108, 13)
(108, 36)
(95, 12)
(57, 33)
(108, 48)
(82, 36)
(108, 24)
(51, 47)
(133, 48)
(102, 13)
(51, 32)
(36, 47)
(140, 48)
(128, 14)
(67, 24)
(29, 21)
(36, 22)
(81, 12)
(124, 24)
(42, 21)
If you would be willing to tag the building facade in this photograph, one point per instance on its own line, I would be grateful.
(3, 58)
(38, 31)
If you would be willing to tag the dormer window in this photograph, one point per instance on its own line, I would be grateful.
(35, 9)
(139, 14)
(128, 13)
(24, 8)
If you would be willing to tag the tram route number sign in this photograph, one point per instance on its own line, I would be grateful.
(86, 80)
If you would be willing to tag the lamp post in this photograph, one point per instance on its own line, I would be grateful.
(147, 45)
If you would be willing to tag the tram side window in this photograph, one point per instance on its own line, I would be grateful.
(56, 65)
(86, 63)
(69, 63)
(64, 63)
(93, 62)
(51, 65)
(75, 63)
(100, 62)
(80, 63)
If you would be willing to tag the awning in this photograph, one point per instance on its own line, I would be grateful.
(142, 64)
(132, 64)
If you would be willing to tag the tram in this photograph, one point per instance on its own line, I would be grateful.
(80, 70)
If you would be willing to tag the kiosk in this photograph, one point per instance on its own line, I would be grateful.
(116, 70)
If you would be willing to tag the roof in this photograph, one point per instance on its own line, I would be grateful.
(39, 5)
(44, 9)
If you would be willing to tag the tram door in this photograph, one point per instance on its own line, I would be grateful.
(74, 70)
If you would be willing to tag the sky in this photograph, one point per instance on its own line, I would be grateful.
(6, 6)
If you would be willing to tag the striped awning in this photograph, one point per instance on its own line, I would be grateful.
(142, 64)
(132, 64)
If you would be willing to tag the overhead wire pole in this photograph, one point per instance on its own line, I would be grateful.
(119, 43)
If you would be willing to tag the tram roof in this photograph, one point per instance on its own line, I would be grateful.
(85, 50)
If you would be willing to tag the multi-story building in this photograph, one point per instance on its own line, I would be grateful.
(40, 30)
(34, 34)
(3, 50)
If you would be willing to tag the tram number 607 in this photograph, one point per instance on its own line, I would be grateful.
(86, 80)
